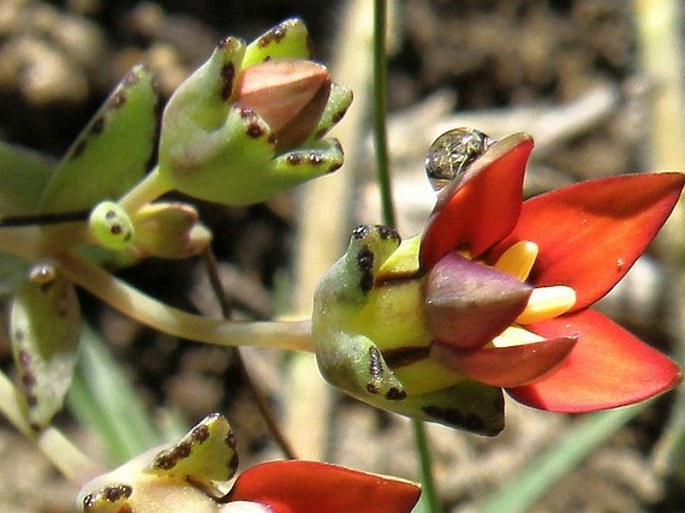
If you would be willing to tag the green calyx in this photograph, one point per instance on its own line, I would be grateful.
(372, 339)
(247, 124)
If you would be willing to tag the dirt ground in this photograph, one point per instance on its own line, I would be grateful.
(501, 62)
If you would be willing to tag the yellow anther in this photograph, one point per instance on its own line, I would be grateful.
(518, 260)
(546, 303)
(516, 336)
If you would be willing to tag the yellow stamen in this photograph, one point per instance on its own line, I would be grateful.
(518, 260)
(546, 303)
(515, 336)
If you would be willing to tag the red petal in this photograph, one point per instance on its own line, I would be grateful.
(483, 208)
(608, 367)
(312, 487)
(591, 233)
(467, 303)
(511, 366)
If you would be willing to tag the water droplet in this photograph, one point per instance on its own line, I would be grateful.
(452, 153)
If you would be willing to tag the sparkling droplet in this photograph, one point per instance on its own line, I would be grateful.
(42, 274)
(452, 153)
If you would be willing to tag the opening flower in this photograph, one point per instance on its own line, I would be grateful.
(496, 293)
(192, 475)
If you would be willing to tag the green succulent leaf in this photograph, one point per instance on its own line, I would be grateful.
(288, 40)
(45, 324)
(113, 151)
(23, 175)
(207, 453)
(339, 100)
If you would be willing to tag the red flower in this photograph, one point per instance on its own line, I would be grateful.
(572, 245)
(312, 487)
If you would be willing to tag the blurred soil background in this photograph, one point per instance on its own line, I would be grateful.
(567, 71)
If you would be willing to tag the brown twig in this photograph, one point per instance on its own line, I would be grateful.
(260, 397)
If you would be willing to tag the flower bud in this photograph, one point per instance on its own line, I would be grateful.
(248, 123)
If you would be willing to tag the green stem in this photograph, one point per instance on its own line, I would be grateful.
(294, 336)
(429, 495)
(380, 88)
(68, 458)
(151, 187)
(380, 81)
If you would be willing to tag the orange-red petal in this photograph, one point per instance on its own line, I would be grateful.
(591, 233)
(510, 366)
(608, 367)
(482, 209)
(313, 487)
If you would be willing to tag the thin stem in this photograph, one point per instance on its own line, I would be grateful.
(429, 494)
(260, 397)
(43, 219)
(293, 336)
(68, 458)
(380, 88)
(388, 212)
(151, 187)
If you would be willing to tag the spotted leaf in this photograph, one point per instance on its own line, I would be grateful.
(45, 324)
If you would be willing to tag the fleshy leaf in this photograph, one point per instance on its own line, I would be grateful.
(313, 487)
(288, 40)
(23, 175)
(206, 453)
(467, 304)
(45, 325)
(608, 367)
(591, 233)
(113, 151)
(481, 209)
(509, 366)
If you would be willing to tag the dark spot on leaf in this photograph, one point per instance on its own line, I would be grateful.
(131, 78)
(116, 229)
(98, 126)
(227, 76)
(31, 400)
(337, 117)
(387, 232)
(371, 388)
(28, 380)
(273, 36)
(18, 336)
(272, 138)
(454, 417)
(224, 42)
(24, 358)
(375, 363)
(88, 501)
(231, 440)
(168, 459)
(365, 259)
(255, 130)
(360, 232)
(117, 100)
(402, 356)
(200, 433)
(116, 493)
(396, 394)
(78, 149)
(294, 159)
(111, 214)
